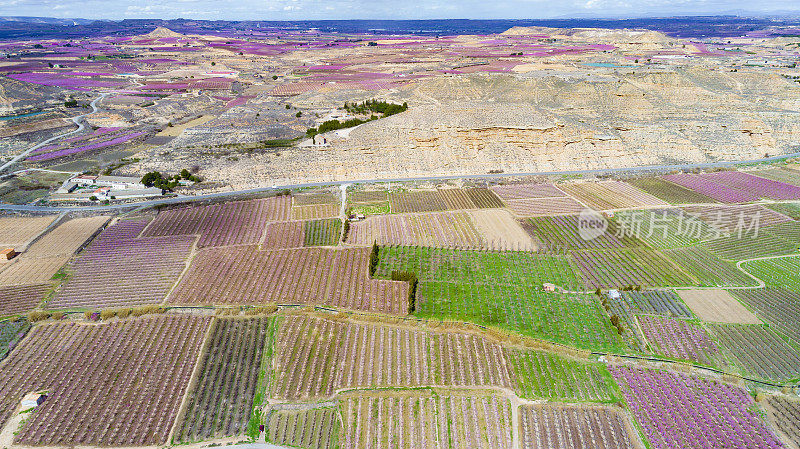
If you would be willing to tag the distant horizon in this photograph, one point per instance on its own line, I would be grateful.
(308, 10)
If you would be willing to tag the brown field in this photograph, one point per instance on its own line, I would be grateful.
(315, 211)
(16, 232)
(31, 271)
(718, 306)
(570, 427)
(501, 231)
(21, 298)
(246, 275)
(114, 384)
(315, 357)
(435, 229)
(66, 238)
(610, 195)
(426, 419)
(537, 207)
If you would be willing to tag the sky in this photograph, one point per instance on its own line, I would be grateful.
(387, 9)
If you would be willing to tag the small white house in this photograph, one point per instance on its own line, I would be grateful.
(614, 294)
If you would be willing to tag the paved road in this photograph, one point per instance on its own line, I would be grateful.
(78, 120)
(181, 199)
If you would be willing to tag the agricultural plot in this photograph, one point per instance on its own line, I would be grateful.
(618, 268)
(538, 207)
(231, 223)
(322, 232)
(736, 248)
(11, 332)
(284, 234)
(21, 298)
(679, 339)
(778, 306)
(707, 269)
(27, 271)
(442, 200)
(670, 192)
(718, 306)
(522, 191)
(712, 189)
(571, 427)
(765, 188)
(440, 229)
(66, 238)
(221, 402)
(500, 231)
(681, 411)
(656, 302)
(114, 273)
(791, 210)
(369, 202)
(315, 211)
(115, 384)
(311, 198)
(542, 375)
(759, 351)
(562, 233)
(789, 231)
(502, 289)
(610, 195)
(784, 414)
(417, 419)
(17, 232)
(785, 175)
(245, 275)
(661, 228)
(312, 428)
(780, 272)
(315, 357)
(730, 219)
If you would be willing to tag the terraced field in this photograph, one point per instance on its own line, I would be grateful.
(609, 195)
(619, 268)
(568, 427)
(759, 351)
(708, 270)
(670, 192)
(220, 403)
(542, 375)
(316, 428)
(779, 272)
(776, 306)
(21, 298)
(17, 232)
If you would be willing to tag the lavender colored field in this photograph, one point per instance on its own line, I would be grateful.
(21, 298)
(709, 188)
(233, 223)
(245, 275)
(765, 188)
(682, 411)
(679, 339)
(439, 229)
(82, 149)
(618, 268)
(116, 384)
(537, 207)
(55, 79)
(571, 427)
(117, 272)
(759, 351)
(522, 191)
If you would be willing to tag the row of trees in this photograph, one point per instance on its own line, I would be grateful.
(156, 179)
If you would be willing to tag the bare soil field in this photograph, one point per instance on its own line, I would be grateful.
(718, 306)
(25, 271)
(501, 231)
(17, 231)
(66, 238)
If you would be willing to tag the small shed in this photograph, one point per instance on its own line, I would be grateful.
(548, 287)
(613, 294)
(7, 254)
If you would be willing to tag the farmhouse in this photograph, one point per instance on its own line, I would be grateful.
(7, 254)
(115, 182)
